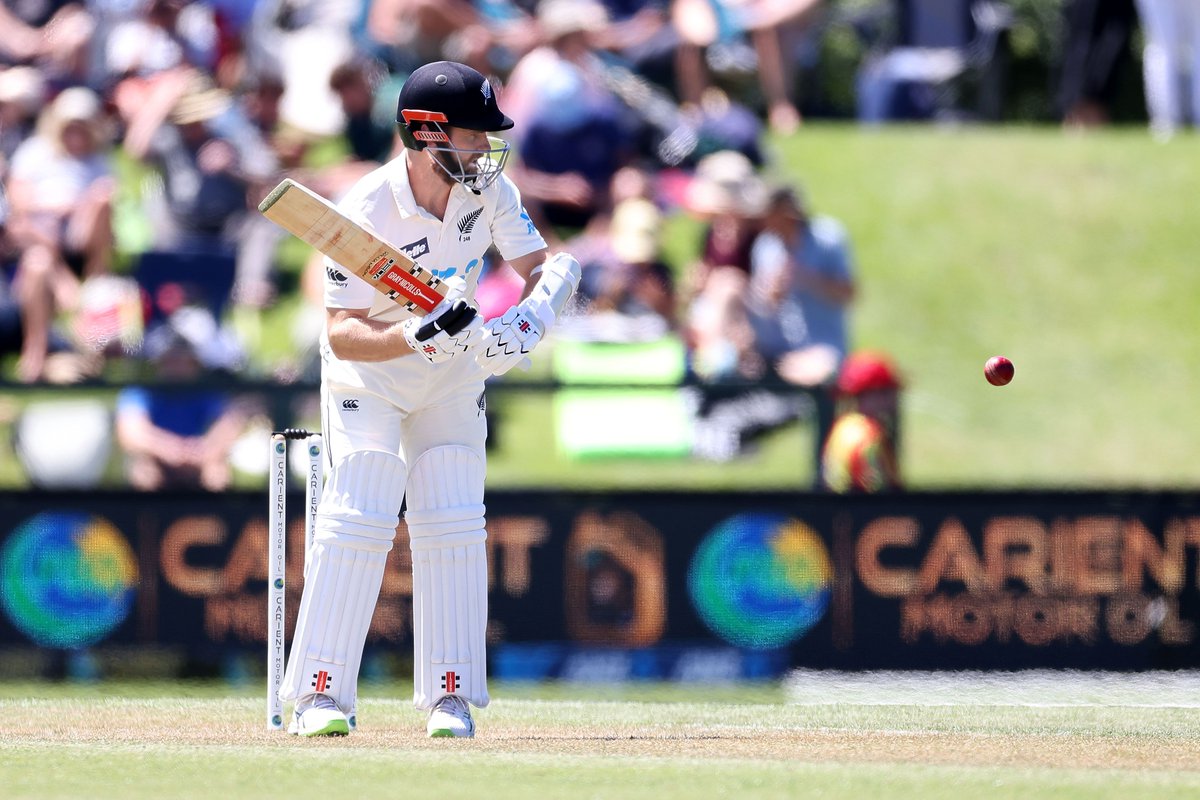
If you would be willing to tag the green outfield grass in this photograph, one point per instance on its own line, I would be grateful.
(188, 741)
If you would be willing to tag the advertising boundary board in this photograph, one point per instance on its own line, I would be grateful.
(690, 586)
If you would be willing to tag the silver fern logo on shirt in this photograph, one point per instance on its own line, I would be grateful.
(466, 224)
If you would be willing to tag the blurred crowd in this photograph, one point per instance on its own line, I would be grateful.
(138, 136)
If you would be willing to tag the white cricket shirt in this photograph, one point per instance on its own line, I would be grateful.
(453, 247)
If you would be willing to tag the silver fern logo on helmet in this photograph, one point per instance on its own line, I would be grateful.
(486, 88)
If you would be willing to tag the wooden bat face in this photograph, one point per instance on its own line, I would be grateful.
(313, 219)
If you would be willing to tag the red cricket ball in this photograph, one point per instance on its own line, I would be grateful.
(998, 370)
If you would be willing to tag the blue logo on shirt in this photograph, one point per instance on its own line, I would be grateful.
(445, 273)
(528, 221)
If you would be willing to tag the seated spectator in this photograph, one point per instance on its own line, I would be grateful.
(159, 36)
(728, 194)
(644, 285)
(260, 124)
(626, 292)
(145, 44)
(574, 132)
(414, 32)
(60, 190)
(303, 41)
(802, 284)
(267, 150)
(368, 137)
(211, 171)
(859, 454)
(54, 36)
(705, 26)
(175, 438)
(368, 130)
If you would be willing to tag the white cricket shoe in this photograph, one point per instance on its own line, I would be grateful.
(451, 717)
(318, 715)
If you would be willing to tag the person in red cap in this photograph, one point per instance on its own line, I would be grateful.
(860, 451)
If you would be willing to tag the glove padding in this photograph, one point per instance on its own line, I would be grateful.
(447, 330)
(509, 339)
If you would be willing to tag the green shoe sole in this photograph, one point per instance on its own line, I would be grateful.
(441, 733)
(337, 727)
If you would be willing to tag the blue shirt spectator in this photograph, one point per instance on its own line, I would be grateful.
(184, 414)
(179, 436)
(802, 283)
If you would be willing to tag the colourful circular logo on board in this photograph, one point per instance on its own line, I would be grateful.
(67, 579)
(760, 580)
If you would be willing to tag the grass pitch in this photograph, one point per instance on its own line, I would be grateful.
(813, 737)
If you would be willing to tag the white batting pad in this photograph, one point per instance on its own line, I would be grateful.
(362, 499)
(356, 523)
(446, 535)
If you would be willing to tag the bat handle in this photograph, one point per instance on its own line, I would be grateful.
(457, 317)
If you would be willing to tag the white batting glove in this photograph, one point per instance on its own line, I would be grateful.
(445, 332)
(508, 340)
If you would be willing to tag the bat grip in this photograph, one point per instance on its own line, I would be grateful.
(457, 317)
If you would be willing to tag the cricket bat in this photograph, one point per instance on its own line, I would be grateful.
(313, 219)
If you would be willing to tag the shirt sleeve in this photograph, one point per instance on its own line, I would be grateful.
(25, 160)
(513, 232)
(837, 261)
(133, 400)
(344, 289)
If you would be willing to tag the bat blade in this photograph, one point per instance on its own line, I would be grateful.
(313, 219)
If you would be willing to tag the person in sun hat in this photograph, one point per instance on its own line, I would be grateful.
(729, 196)
(60, 188)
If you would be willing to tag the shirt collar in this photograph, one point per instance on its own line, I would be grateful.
(406, 202)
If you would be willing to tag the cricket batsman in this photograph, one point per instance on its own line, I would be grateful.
(403, 407)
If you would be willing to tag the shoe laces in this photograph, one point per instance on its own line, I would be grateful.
(455, 706)
(316, 700)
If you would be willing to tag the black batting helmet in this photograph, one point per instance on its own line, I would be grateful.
(449, 93)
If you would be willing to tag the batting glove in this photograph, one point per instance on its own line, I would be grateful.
(509, 339)
(445, 332)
